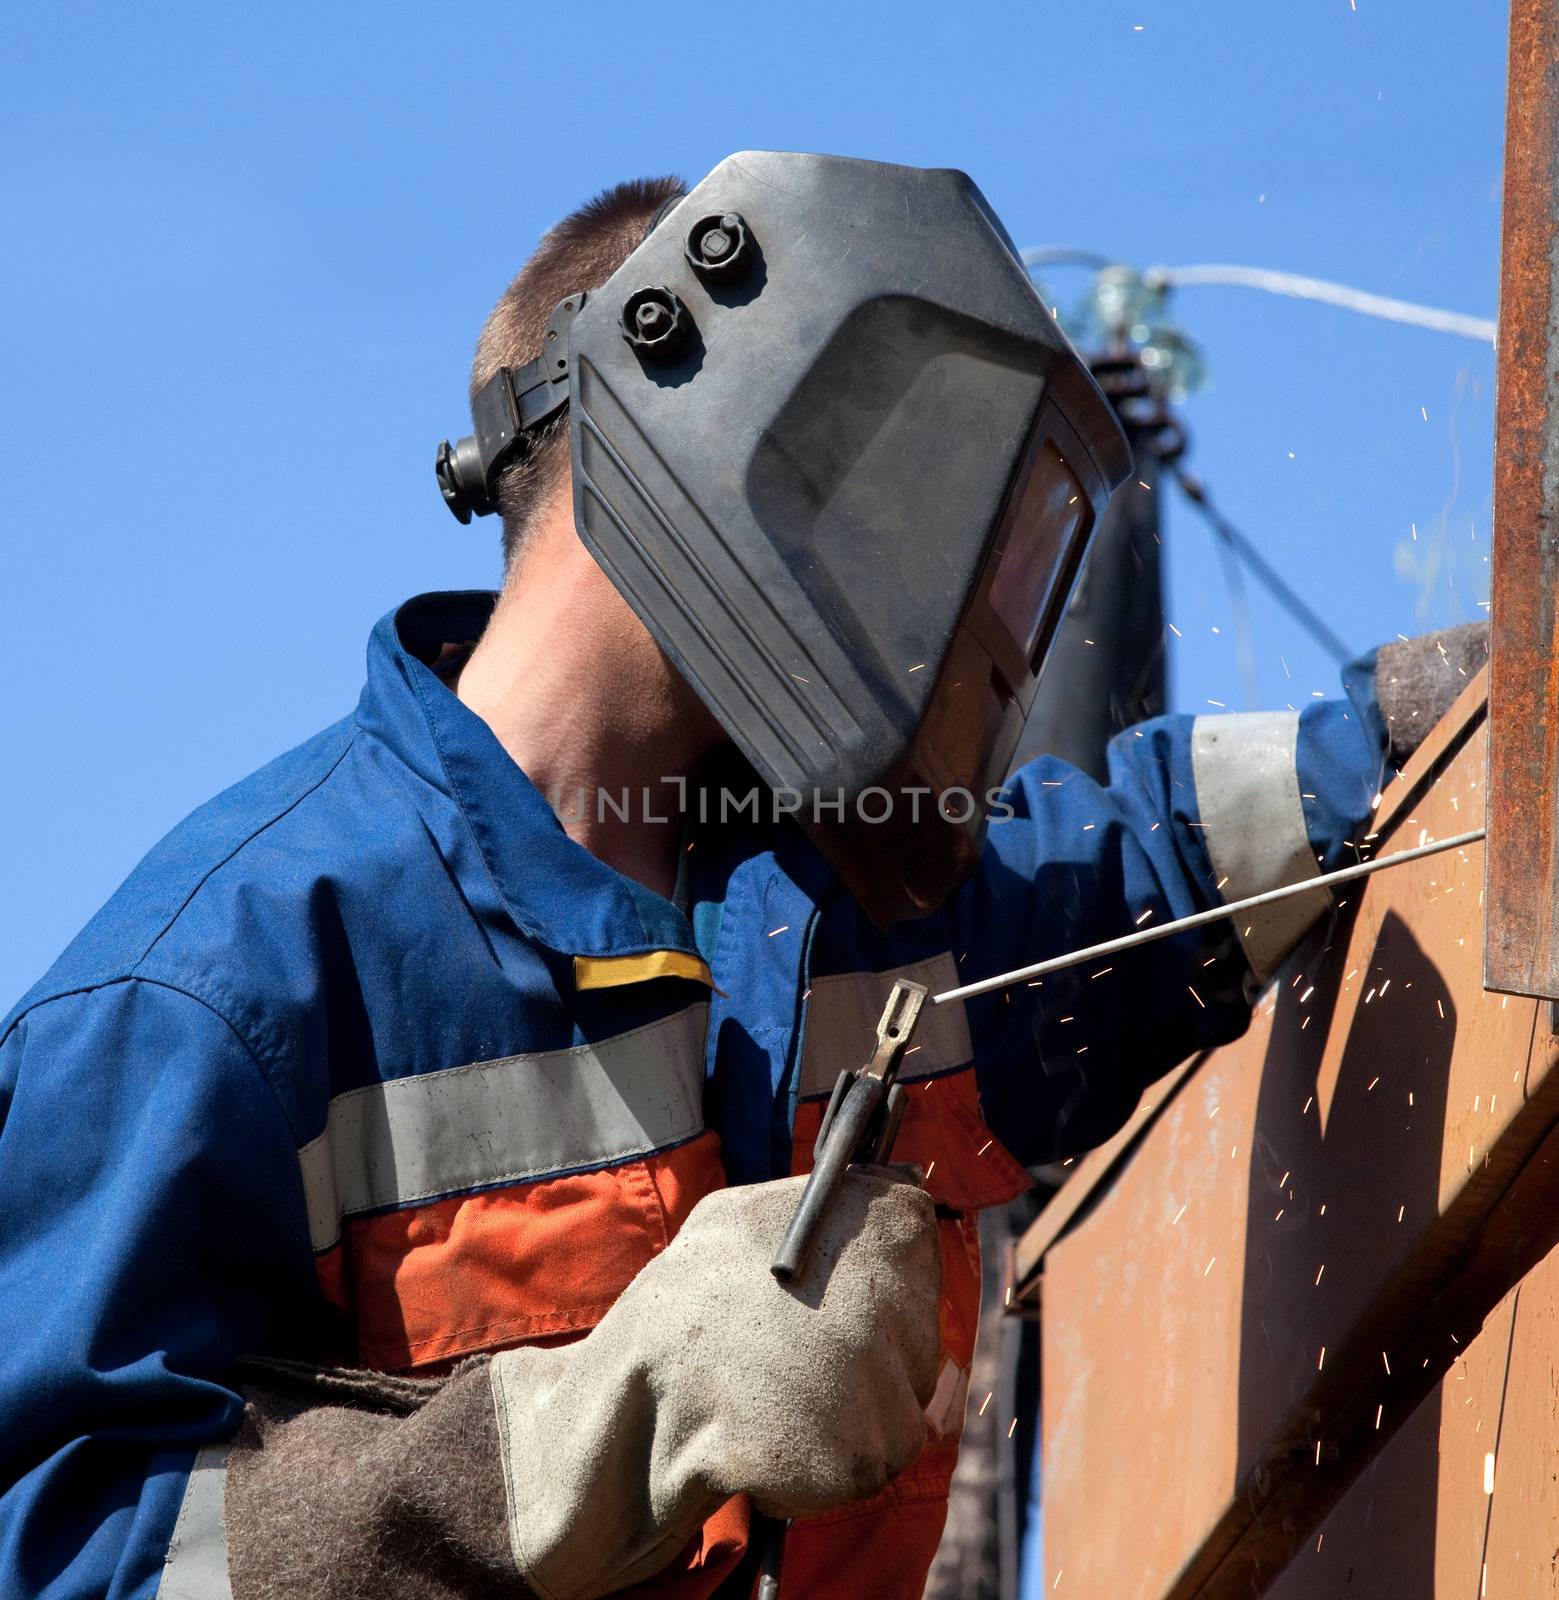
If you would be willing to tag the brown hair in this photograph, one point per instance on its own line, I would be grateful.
(580, 252)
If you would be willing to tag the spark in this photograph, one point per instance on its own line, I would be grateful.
(984, 1403)
(1322, 1362)
(1012, 1427)
(799, 679)
(918, 665)
(929, 1171)
(1196, 997)
(1386, 1363)
(1378, 1410)
(1179, 1214)
(1144, 917)
(1400, 1210)
(1174, 630)
(1283, 1180)
(1371, 1084)
(784, 927)
(1318, 1460)
(984, 1147)
(1318, 1275)
(1209, 1267)
(1308, 1103)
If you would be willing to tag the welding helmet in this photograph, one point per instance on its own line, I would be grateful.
(836, 454)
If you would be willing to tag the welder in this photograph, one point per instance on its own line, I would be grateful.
(390, 1172)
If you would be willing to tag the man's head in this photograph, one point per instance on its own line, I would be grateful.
(580, 252)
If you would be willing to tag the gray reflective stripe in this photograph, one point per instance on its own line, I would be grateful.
(1247, 790)
(505, 1121)
(842, 1017)
(196, 1565)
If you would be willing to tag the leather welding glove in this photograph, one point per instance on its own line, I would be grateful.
(709, 1379)
(573, 1472)
(1416, 681)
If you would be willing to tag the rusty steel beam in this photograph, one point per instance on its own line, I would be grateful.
(1521, 930)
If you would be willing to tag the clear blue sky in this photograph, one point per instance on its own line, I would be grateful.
(248, 249)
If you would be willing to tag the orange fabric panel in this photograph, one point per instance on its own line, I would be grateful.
(944, 1134)
(330, 1270)
(882, 1547)
(536, 1260)
(960, 1308)
(707, 1559)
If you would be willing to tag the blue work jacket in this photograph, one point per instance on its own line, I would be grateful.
(368, 1061)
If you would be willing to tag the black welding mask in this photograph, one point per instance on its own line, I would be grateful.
(836, 454)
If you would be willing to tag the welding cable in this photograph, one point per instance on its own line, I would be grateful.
(1201, 919)
(1269, 280)
(1298, 287)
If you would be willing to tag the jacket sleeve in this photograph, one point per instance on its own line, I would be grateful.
(153, 1242)
(152, 1229)
(1198, 811)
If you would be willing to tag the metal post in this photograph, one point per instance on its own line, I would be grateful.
(1521, 922)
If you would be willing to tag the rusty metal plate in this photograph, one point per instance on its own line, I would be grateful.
(1523, 858)
(1416, 1523)
(1326, 1189)
(1464, 1500)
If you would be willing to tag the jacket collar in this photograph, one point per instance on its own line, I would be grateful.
(554, 889)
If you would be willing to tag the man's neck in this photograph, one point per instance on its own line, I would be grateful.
(587, 705)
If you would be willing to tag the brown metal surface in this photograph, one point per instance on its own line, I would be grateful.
(1522, 938)
(1368, 1170)
(1464, 1500)
(1414, 1524)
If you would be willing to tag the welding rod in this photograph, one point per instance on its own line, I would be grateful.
(1201, 918)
